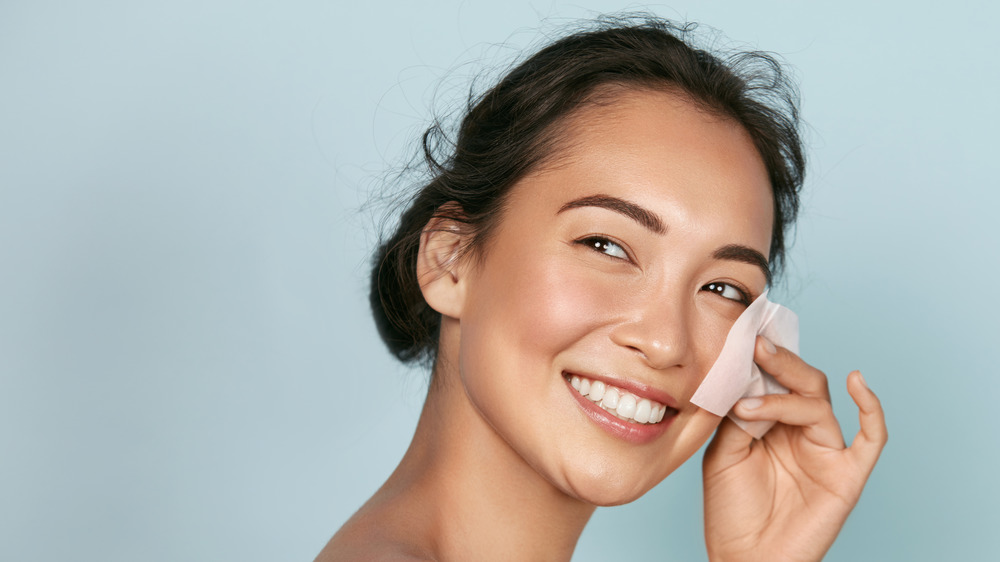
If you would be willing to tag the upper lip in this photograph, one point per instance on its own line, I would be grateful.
(640, 389)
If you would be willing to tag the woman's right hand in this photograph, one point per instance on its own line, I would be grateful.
(786, 496)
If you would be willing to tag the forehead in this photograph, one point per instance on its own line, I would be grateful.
(662, 131)
(697, 169)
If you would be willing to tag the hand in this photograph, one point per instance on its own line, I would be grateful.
(786, 496)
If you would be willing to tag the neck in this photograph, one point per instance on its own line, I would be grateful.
(470, 496)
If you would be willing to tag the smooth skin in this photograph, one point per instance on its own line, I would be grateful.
(505, 464)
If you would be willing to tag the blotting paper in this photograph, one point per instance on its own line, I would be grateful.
(734, 374)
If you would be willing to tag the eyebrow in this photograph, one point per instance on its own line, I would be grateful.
(745, 254)
(646, 218)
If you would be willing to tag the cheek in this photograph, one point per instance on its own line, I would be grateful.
(524, 313)
(564, 304)
(709, 336)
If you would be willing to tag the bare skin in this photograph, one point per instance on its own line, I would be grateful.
(434, 508)
(509, 460)
(811, 483)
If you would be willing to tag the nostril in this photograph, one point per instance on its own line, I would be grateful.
(638, 351)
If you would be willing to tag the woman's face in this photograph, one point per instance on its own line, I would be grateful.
(623, 263)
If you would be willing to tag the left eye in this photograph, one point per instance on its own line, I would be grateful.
(605, 246)
(727, 291)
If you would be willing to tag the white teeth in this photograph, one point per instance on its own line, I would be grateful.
(596, 391)
(626, 407)
(622, 404)
(642, 411)
(610, 401)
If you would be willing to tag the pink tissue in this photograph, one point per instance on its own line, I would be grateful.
(734, 374)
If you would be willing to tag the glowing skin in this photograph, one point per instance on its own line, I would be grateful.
(571, 345)
(569, 289)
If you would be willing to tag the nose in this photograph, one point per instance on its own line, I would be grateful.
(659, 331)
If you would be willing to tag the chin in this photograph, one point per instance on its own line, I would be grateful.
(609, 488)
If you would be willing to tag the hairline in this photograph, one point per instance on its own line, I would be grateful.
(557, 140)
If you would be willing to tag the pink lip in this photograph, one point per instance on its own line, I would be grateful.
(637, 433)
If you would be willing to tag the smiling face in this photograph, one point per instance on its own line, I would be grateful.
(616, 271)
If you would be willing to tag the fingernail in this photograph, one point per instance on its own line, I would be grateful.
(751, 403)
(862, 379)
(769, 346)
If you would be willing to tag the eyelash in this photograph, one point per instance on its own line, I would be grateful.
(600, 244)
(718, 288)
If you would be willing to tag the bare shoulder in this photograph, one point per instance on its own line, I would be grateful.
(343, 551)
(368, 537)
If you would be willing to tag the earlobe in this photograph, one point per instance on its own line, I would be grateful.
(440, 266)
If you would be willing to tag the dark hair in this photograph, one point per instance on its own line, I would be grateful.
(509, 130)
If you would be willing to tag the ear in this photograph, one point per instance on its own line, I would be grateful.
(440, 270)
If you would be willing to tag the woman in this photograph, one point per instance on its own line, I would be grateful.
(609, 210)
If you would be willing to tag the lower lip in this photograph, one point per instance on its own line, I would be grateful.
(637, 433)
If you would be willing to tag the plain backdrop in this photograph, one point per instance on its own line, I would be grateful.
(188, 199)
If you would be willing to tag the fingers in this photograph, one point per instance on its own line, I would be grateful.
(807, 406)
(790, 370)
(813, 415)
(873, 435)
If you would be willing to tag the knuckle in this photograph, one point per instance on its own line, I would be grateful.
(823, 409)
(821, 385)
(816, 381)
(827, 408)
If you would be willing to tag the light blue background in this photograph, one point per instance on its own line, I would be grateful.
(188, 370)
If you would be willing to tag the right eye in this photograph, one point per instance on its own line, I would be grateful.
(604, 246)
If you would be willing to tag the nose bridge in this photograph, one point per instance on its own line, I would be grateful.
(658, 327)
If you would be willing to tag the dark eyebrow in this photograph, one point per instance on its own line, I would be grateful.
(627, 208)
(744, 254)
